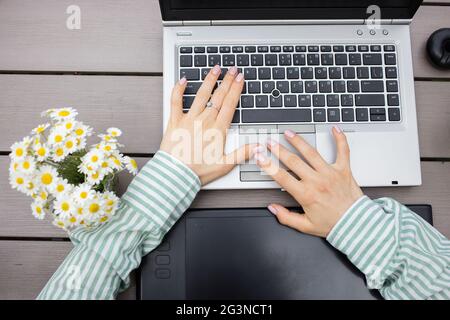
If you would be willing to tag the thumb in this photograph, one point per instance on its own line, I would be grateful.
(294, 220)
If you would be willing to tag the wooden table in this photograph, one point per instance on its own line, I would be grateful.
(111, 71)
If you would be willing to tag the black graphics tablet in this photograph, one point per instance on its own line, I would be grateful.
(247, 254)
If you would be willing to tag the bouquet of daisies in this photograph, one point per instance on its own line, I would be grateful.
(72, 182)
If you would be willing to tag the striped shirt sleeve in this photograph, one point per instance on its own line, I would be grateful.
(400, 254)
(99, 265)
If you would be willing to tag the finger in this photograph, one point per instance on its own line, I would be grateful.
(176, 102)
(281, 176)
(204, 93)
(221, 92)
(230, 103)
(343, 150)
(294, 220)
(291, 160)
(308, 152)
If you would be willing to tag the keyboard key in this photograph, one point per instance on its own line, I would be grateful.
(222, 73)
(347, 100)
(340, 59)
(199, 50)
(261, 101)
(319, 100)
(254, 87)
(275, 101)
(389, 47)
(321, 72)
(325, 48)
(362, 114)
(390, 59)
(394, 114)
(237, 49)
(275, 49)
(307, 72)
(247, 101)
(236, 117)
(250, 73)
(349, 73)
(205, 72)
(375, 48)
(278, 73)
(335, 72)
(185, 60)
(393, 100)
(299, 59)
(327, 59)
(296, 87)
(242, 60)
(376, 72)
(264, 73)
(325, 86)
(192, 87)
(377, 117)
(347, 115)
(372, 86)
(369, 100)
(228, 60)
(363, 48)
(338, 48)
(268, 86)
(333, 100)
(313, 48)
(187, 101)
(313, 59)
(250, 49)
(274, 116)
(285, 59)
(214, 59)
(350, 48)
(283, 86)
(271, 59)
(225, 49)
(392, 86)
(304, 100)
(190, 74)
(290, 100)
(354, 59)
(352, 86)
(372, 59)
(300, 48)
(310, 86)
(319, 115)
(293, 72)
(257, 59)
(263, 49)
(212, 49)
(391, 72)
(288, 49)
(362, 72)
(199, 60)
(339, 86)
(186, 50)
(333, 115)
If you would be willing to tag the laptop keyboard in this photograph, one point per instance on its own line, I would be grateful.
(303, 83)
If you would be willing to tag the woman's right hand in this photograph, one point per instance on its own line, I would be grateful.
(324, 191)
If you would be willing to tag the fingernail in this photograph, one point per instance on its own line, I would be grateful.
(258, 149)
(182, 81)
(289, 133)
(216, 70)
(272, 209)
(260, 157)
(337, 129)
(271, 143)
(240, 77)
(232, 71)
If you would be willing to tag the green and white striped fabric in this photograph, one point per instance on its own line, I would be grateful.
(99, 265)
(401, 255)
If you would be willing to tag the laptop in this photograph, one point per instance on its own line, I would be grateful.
(308, 65)
(247, 254)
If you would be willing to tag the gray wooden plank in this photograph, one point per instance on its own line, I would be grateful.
(26, 266)
(17, 219)
(135, 105)
(126, 35)
(120, 36)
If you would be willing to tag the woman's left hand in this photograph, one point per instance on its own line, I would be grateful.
(198, 137)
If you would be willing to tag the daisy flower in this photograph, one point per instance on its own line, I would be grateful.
(94, 207)
(56, 137)
(69, 125)
(61, 223)
(27, 165)
(18, 150)
(59, 153)
(115, 161)
(40, 128)
(63, 114)
(18, 181)
(61, 186)
(107, 147)
(13, 166)
(114, 132)
(41, 151)
(131, 165)
(47, 177)
(95, 177)
(38, 210)
(82, 193)
(111, 202)
(41, 195)
(31, 187)
(107, 138)
(63, 205)
(93, 158)
(81, 130)
(70, 144)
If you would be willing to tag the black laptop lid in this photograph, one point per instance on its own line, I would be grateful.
(246, 254)
(284, 9)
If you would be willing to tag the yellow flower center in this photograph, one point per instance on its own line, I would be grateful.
(103, 219)
(133, 163)
(79, 132)
(95, 175)
(15, 166)
(59, 152)
(83, 195)
(60, 188)
(69, 144)
(60, 223)
(30, 186)
(65, 206)
(41, 152)
(69, 125)
(73, 219)
(107, 138)
(108, 148)
(94, 207)
(117, 162)
(64, 113)
(110, 202)
(58, 138)
(80, 210)
(19, 152)
(40, 129)
(43, 195)
(38, 210)
(46, 178)
(105, 164)
(26, 165)
(94, 158)
(19, 180)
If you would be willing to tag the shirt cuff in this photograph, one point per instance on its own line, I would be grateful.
(164, 188)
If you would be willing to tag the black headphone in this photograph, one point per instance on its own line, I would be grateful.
(438, 47)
